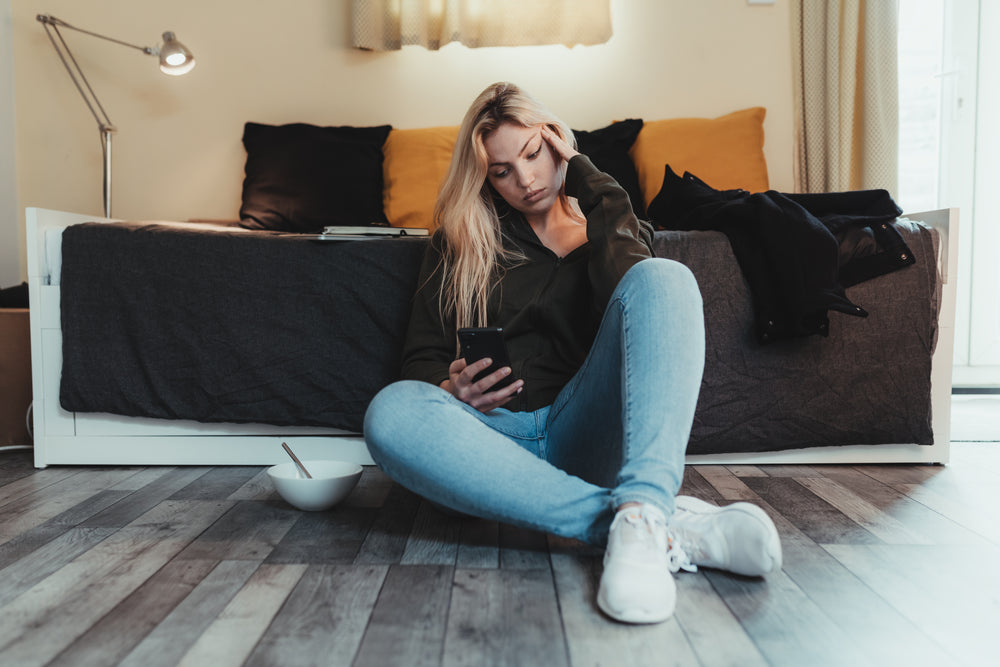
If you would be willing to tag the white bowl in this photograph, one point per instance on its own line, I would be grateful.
(331, 482)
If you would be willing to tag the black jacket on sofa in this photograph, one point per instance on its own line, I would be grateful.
(797, 251)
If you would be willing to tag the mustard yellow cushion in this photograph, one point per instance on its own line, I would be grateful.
(416, 162)
(726, 152)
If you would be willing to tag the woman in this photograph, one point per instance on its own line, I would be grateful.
(607, 350)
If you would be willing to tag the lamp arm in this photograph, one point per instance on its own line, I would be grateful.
(48, 19)
(86, 91)
(77, 75)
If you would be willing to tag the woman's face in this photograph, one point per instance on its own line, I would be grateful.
(523, 168)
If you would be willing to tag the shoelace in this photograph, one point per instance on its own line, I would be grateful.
(647, 527)
(677, 557)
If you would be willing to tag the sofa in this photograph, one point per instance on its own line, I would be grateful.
(161, 342)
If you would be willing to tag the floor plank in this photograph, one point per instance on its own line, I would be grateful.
(233, 634)
(713, 631)
(34, 538)
(325, 537)
(816, 518)
(479, 544)
(324, 618)
(217, 483)
(728, 485)
(173, 636)
(27, 482)
(250, 530)
(409, 618)
(41, 505)
(594, 639)
(372, 489)
(955, 606)
(386, 540)
(873, 625)
(146, 498)
(916, 518)
(434, 538)
(109, 640)
(522, 549)
(498, 617)
(787, 627)
(258, 487)
(42, 560)
(862, 512)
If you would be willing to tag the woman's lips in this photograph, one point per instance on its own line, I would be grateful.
(534, 195)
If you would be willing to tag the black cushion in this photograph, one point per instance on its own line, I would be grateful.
(301, 177)
(608, 149)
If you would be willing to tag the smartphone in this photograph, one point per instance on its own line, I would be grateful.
(479, 342)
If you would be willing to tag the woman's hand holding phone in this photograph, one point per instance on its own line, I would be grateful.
(463, 385)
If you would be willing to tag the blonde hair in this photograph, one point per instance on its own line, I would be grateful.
(466, 209)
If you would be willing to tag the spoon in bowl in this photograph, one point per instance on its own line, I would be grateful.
(297, 462)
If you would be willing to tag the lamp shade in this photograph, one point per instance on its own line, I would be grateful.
(175, 58)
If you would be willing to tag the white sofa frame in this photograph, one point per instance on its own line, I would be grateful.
(62, 437)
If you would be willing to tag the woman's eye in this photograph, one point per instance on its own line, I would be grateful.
(500, 174)
(532, 156)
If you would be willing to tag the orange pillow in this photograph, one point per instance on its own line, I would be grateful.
(416, 163)
(726, 152)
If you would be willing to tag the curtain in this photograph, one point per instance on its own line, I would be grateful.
(383, 25)
(845, 87)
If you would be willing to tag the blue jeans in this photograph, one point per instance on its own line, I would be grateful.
(616, 433)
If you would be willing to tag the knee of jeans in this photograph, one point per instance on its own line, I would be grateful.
(658, 275)
(388, 413)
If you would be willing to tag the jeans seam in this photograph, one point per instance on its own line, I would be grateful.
(626, 385)
(489, 423)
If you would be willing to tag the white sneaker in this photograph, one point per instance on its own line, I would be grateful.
(738, 538)
(637, 586)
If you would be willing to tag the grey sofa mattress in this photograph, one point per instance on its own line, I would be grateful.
(275, 328)
(868, 382)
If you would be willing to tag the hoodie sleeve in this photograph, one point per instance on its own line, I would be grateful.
(430, 343)
(617, 238)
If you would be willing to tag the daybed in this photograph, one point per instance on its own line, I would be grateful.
(193, 343)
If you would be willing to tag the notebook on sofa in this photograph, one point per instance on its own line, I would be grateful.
(339, 233)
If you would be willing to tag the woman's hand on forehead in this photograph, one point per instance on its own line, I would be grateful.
(563, 149)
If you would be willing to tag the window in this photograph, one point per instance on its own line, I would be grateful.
(949, 100)
(920, 75)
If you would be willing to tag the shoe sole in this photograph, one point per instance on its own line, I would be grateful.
(772, 543)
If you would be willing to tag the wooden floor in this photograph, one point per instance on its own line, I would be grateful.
(884, 565)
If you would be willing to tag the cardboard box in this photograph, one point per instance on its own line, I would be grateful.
(15, 376)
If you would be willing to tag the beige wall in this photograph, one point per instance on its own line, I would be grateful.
(10, 253)
(178, 155)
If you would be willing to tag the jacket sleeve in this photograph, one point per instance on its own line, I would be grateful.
(618, 239)
(430, 342)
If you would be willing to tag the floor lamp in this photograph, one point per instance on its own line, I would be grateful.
(174, 59)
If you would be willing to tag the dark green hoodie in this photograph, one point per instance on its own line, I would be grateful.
(549, 307)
